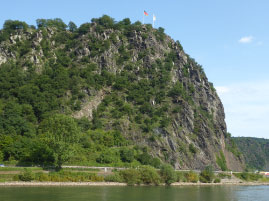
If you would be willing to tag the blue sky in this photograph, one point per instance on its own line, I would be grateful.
(230, 39)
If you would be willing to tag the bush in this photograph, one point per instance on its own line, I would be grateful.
(155, 162)
(106, 157)
(223, 176)
(217, 180)
(168, 174)
(248, 176)
(207, 175)
(192, 177)
(42, 177)
(149, 175)
(221, 161)
(181, 177)
(116, 177)
(192, 149)
(130, 176)
(26, 175)
(127, 155)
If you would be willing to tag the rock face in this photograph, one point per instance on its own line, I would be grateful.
(182, 120)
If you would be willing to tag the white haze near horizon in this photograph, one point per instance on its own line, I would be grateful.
(246, 107)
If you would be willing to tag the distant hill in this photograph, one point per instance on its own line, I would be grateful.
(112, 93)
(255, 151)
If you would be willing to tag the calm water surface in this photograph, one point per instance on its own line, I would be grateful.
(189, 193)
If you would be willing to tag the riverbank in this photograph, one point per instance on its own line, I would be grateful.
(20, 183)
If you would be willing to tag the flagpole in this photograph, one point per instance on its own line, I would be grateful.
(143, 17)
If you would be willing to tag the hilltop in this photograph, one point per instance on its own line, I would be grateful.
(107, 93)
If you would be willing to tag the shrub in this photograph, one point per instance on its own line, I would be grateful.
(127, 155)
(42, 177)
(192, 177)
(181, 177)
(207, 175)
(149, 175)
(221, 161)
(116, 177)
(155, 162)
(168, 174)
(26, 175)
(192, 149)
(223, 175)
(217, 180)
(248, 176)
(106, 157)
(130, 176)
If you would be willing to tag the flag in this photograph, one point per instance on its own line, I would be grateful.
(154, 18)
(145, 13)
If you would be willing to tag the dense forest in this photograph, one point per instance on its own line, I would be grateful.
(255, 152)
(106, 93)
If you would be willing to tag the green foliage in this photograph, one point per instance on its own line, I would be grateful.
(160, 35)
(221, 161)
(104, 21)
(26, 175)
(217, 180)
(1, 156)
(146, 159)
(191, 177)
(116, 177)
(149, 175)
(131, 176)
(254, 150)
(68, 176)
(11, 25)
(207, 175)
(59, 132)
(72, 26)
(246, 176)
(223, 176)
(168, 174)
(137, 96)
(57, 23)
(107, 156)
(192, 148)
(127, 155)
(84, 28)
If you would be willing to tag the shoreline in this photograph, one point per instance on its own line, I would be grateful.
(9, 184)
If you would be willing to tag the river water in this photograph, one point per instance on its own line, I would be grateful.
(145, 193)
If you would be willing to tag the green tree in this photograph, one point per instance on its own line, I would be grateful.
(130, 176)
(207, 175)
(12, 25)
(60, 132)
(168, 174)
(72, 26)
(127, 155)
(1, 156)
(149, 175)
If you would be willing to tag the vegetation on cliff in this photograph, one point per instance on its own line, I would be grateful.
(106, 93)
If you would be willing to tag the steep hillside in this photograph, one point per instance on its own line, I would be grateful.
(115, 79)
(255, 152)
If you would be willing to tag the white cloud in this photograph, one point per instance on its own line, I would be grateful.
(222, 90)
(246, 39)
(246, 107)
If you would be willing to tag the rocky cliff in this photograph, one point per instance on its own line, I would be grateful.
(128, 77)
